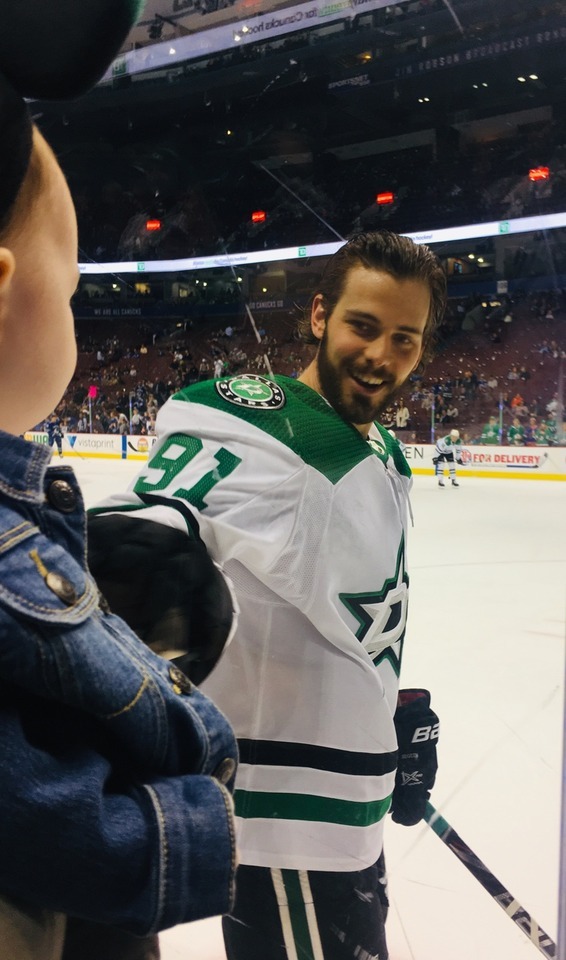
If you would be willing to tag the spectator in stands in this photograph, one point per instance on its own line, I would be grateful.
(82, 422)
(123, 425)
(137, 421)
(112, 422)
(516, 433)
(531, 431)
(490, 432)
(440, 408)
(547, 433)
(402, 415)
(451, 413)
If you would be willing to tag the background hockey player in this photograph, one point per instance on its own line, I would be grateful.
(449, 451)
(54, 433)
(302, 497)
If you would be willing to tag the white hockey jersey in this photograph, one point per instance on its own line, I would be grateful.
(448, 445)
(308, 520)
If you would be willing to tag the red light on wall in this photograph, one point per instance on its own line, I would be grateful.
(539, 173)
(386, 197)
(153, 225)
(259, 216)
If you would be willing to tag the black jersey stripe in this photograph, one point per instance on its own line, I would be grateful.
(154, 500)
(276, 753)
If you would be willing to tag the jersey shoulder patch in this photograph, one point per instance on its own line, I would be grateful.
(252, 390)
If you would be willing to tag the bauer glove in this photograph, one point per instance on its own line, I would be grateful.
(417, 733)
(165, 586)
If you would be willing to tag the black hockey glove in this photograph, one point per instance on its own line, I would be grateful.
(417, 733)
(165, 586)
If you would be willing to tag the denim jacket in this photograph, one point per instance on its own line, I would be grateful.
(115, 770)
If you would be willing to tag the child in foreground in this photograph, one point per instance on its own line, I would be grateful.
(115, 771)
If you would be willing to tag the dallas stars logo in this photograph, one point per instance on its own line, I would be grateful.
(381, 615)
(252, 391)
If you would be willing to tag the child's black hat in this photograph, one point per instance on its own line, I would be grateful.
(51, 50)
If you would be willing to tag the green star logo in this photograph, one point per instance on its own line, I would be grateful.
(381, 615)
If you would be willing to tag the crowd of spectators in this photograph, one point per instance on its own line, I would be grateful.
(126, 371)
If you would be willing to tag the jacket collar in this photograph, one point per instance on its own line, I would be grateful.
(22, 468)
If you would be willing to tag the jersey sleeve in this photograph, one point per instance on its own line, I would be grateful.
(211, 476)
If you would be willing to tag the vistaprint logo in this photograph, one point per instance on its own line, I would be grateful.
(94, 443)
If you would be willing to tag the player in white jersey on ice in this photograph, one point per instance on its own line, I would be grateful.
(449, 451)
(301, 497)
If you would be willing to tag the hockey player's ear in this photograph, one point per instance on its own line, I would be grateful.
(318, 316)
(422, 350)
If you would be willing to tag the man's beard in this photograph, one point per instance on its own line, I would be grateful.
(358, 409)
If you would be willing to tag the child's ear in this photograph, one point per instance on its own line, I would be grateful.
(7, 268)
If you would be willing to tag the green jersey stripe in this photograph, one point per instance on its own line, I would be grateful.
(298, 915)
(299, 806)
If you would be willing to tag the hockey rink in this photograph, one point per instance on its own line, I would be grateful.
(486, 636)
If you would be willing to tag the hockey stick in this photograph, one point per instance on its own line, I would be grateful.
(489, 882)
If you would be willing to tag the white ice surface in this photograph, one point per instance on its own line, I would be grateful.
(486, 635)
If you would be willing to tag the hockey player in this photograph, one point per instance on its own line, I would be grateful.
(302, 496)
(54, 433)
(448, 450)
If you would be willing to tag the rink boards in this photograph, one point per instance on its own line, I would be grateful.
(510, 463)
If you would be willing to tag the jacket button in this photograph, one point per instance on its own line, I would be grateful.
(61, 587)
(62, 496)
(225, 770)
(181, 683)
